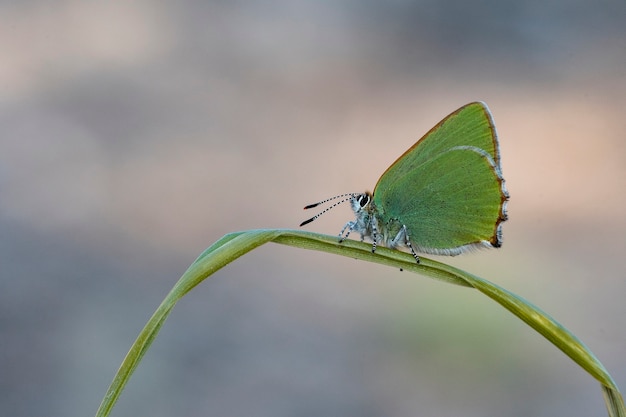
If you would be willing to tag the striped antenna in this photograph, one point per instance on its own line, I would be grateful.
(327, 208)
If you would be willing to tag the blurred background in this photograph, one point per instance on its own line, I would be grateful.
(134, 135)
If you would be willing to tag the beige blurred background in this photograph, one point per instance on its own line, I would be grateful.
(134, 135)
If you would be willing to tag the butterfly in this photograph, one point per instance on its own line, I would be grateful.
(445, 195)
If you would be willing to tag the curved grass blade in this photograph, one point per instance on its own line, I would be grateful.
(233, 245)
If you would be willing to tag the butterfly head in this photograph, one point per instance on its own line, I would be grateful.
(360, 202)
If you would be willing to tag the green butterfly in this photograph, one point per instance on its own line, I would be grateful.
(445, 195)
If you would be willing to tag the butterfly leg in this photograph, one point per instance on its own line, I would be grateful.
(407, 242)
(403, 235)
(374, 227)
(350, 226)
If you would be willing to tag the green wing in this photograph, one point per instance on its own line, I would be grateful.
(471, 125)
(451, 203)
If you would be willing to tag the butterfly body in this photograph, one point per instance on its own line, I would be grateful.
(445, 195)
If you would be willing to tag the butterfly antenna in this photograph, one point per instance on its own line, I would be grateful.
(327, 208)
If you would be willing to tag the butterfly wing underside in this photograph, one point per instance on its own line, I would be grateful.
(447, 189)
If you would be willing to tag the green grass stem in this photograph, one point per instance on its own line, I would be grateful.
(233, 245)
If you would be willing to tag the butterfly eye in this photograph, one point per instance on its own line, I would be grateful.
(364, 200)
